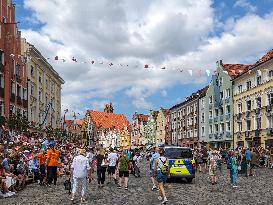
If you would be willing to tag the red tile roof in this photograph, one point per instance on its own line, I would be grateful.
(70, 122)
(266, 57)
(108, 120)
(234, 70)
(141, 117)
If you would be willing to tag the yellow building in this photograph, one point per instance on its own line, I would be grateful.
(160, 133)
(44, 89)
(125, 138)
(253, 104)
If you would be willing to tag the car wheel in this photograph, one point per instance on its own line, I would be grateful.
(189, 180)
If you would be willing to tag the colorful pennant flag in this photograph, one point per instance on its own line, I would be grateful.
(146, 66)
(56, 58)
(92, 62)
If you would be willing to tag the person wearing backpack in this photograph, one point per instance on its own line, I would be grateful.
(161, 171)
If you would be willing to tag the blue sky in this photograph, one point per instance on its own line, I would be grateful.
(188, 35)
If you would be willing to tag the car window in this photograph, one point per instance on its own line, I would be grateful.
(177, 153)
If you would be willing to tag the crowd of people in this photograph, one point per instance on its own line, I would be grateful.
(37, 158)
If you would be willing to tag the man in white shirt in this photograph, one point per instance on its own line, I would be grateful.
(112, 159)
(80, 171)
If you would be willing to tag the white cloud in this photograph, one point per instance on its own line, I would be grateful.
(246, 5)
(176, 34)
(164, 93)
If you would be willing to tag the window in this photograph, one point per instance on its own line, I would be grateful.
(2, 108)
(46, 83)
(240, 88)
(222, 127)
(221, 95)
(210, 129)
(216, 112)
(2, 81)
(228, 126)
(227, 109)
(240, 107)
(32, 89)
(258, 102)
(203, 131)
(184, 111)
(216, 126)
(17, 70)
(2, 57)
(210, 114)
(270, 98)
(248, 125)
(24, 93)
(227, 93)
(239, 126)
(259, 80)
(31, 70)
(221, 111)
(248, 85)
(40, 96)
(270, 73)
(40, 79)
(221, 81)
(12, 87)
(210, 99)
(258, 123)
(203, 118)
(248, 105)
(269, 121)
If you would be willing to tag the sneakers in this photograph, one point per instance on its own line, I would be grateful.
(126, 188)
(160, 198)
(165, 200)
(234, 186)
(154, 188)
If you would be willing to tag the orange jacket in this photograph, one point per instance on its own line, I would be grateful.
(42, 158)
(53, 157)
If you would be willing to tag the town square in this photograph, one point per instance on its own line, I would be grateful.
(136, 102)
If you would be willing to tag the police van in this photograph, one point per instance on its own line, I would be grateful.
(181, 162)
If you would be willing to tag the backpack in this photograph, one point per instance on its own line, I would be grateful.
(165, 167)
(229, 163)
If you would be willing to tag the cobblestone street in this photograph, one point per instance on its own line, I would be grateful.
(251, 191)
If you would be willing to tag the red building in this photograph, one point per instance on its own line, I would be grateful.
(13, 76)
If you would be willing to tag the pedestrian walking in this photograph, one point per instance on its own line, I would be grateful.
(80, 172)
(254, 162)
(53, 156)
(153, 159)
(212, 164)
(123, 164)
(42, 166)
(233, 169)
(161, 170)
(137, 158)
(101, 167)
(112, 160)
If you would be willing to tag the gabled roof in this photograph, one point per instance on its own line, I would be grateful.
(108, 120)
(234, 70)
(79, 122)
(264, 58)
(165, 112)
(141, 117)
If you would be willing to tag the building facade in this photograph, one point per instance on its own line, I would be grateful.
(161, 123)
(253, 104)
(44, 89)
(150, 129)
(105, 128)
(219, 101)
(137, 134)
(13, 78)
(202, 138)
(76, 130)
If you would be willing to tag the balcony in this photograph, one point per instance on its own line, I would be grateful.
(210, 120)
(210, 136)
(1, 68)
(215, 119)
(19, 100)
(227, 100)
(25, 103)
(12, 97)
(2, 92)
(221, 118)
(258, 111)
(247, 134)
(239, 117)
(239, 134)
(268, 108)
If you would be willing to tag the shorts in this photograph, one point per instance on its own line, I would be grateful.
(123, 174)
(111, 169)
(161, 178)
(151, 172)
